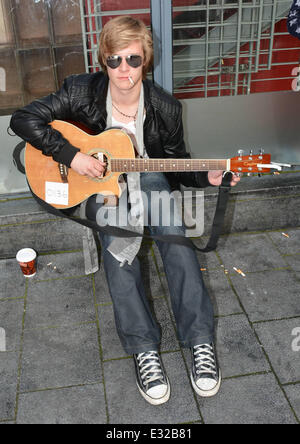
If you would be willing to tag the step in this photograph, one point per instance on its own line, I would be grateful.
(267, 203)
(259, 203)
(23, 223)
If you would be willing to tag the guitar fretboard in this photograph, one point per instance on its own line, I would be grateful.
(167, 165)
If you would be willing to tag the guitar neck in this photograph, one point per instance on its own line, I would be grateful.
(168, 165)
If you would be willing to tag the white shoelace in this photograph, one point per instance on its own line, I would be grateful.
(150, 367)
(204, 359)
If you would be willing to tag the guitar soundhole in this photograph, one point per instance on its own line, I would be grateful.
(106, 174)
(100, 156)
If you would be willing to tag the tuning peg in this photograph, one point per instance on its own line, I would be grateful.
(251, 153)
(261, 151)
(241, 153)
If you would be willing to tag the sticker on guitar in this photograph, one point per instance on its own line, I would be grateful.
(57, 193)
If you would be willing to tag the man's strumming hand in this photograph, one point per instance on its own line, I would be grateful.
(87, 165)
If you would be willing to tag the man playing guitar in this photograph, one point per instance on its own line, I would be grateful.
(120, 96)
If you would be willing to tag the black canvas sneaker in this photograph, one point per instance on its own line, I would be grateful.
(151, 378)
(205, 375)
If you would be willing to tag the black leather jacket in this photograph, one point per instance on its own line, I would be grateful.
(82, 98)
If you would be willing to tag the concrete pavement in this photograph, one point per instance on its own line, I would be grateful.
(62, 363)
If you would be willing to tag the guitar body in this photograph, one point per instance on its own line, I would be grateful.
(45, 178)
(64, 188)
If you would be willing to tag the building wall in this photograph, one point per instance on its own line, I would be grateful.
(219, 127)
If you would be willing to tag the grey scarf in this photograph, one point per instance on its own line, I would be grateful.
(125, 249)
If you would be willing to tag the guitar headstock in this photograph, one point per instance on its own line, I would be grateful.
(253, 163)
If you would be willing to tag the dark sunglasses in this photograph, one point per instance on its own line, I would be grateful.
(115, 61)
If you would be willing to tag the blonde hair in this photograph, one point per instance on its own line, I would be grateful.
(118, 33)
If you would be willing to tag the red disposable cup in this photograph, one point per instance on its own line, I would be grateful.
(27, 261)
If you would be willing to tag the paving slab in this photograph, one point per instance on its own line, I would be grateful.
(281, 341)
(293, 393)
(286, 245)
(249, 252)
(268, 295)
(293, 261)
(239, 352)
(60, 302)
(9, 364)
(72, 405)
(13, 282)
(60, 357)
(56, 266)
(219, 288)
(254, 399)
(11, 321)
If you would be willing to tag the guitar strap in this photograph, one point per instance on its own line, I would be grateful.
(224, 192)
(17, 156)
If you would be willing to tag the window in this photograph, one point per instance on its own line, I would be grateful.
(40, 45)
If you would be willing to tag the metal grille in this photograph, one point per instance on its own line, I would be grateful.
(220, 47)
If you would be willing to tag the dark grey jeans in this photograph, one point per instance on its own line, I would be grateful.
(191, 305)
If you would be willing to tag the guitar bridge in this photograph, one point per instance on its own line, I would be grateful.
(63, 169)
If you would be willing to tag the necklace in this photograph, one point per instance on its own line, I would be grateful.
(126, 115)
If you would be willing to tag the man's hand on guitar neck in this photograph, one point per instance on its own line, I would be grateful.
(215, 178)
(87, 165)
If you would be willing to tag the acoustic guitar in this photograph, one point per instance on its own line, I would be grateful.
(64, 188)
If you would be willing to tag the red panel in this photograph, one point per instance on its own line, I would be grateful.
(116, 5)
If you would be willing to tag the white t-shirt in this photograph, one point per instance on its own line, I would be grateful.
(130, 128)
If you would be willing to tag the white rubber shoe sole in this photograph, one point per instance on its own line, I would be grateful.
(156, 401)
(207, 393)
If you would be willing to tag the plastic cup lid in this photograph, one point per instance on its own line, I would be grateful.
(26, 255)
